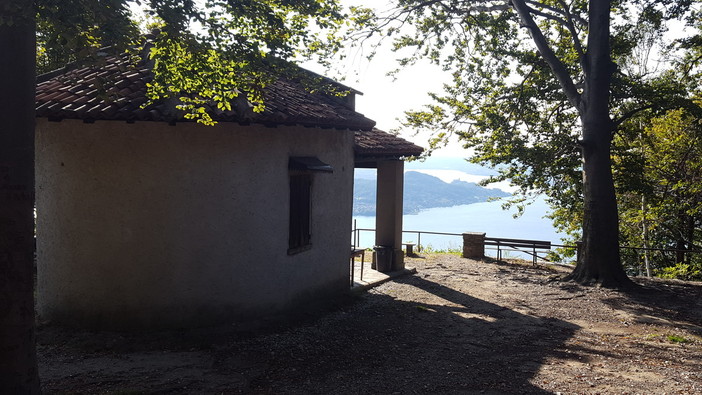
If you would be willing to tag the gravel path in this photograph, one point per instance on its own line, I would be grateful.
(458, 326)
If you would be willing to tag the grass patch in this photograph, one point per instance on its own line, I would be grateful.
(677, 339)
(429, 249)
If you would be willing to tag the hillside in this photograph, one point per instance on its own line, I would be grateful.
(422, 192)
(447, 163)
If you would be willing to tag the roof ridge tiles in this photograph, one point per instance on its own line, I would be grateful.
(116, 90)
(117, 78)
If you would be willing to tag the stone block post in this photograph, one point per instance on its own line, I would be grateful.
(473, 245)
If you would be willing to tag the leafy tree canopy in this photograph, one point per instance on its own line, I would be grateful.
(214, 53)
(505, 101)
(72, 30)
(540, 89)
(202, 52)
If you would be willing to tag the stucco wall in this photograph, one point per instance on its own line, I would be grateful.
(146, 224)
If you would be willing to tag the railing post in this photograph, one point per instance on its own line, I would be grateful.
(534, 256)
(355, 240)
(474, 245)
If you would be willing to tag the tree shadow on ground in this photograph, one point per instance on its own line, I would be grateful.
(662, 301)
(649, 300)
(458, 344)
(452, 343)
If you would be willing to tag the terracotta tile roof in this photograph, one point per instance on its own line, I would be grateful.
(376, 143)
(115, 90)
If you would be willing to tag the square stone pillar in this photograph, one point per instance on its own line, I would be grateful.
(398, 259)
(388, 209)
(473, 245)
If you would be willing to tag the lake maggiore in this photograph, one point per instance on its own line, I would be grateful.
(487, 217)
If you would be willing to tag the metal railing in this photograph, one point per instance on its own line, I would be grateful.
(500, 244)
(528, 247)
(503, 247)
(357, 235)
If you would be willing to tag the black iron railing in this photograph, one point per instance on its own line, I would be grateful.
(533, 248)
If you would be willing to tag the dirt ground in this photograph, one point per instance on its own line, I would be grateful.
(457, 326)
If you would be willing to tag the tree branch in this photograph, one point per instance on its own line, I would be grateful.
(564, 12)
(557, 67)
(548, 16)
(630, 114)
(568, 22)
(477, 8)
(574, 33)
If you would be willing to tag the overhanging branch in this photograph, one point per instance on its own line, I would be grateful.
(630, 114)
(555, 64)
(574, 32)
(561, 11)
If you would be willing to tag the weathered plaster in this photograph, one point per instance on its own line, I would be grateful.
(148, 225)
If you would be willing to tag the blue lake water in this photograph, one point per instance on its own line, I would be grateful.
(487, 217)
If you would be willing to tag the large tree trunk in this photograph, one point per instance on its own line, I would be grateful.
(599, 261)
(18, 365)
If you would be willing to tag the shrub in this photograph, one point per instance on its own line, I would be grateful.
(681, 271)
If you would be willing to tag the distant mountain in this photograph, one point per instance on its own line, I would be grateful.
(449, 163)
(422, 192)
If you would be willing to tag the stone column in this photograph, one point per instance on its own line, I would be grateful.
(473, 245)
(388, 208)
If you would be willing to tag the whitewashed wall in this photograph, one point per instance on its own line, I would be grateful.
(149, 225)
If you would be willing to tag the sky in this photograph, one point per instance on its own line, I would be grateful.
(385, 99)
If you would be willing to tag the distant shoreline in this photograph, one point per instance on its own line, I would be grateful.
(424, 191)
